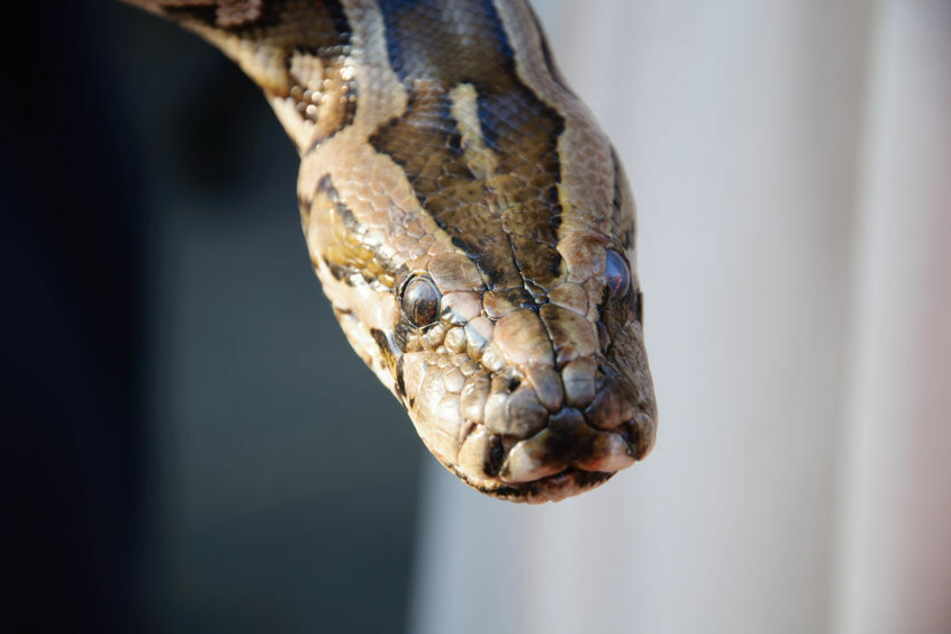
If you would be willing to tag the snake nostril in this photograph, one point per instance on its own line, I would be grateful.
(494, 458)
(513, 384)
(631, 431)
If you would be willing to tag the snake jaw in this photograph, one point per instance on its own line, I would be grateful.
(554, 488)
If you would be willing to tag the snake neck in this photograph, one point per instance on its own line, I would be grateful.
(306, 55)
(301, 54)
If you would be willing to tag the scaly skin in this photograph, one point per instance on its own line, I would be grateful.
(469, 222)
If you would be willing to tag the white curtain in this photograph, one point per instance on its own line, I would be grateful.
(792, 166)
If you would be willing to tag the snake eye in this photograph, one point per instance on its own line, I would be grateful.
(421, 301)
(617, 274)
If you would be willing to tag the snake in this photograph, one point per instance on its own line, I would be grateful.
(470, 223)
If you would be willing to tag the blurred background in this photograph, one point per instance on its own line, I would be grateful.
(193, 447)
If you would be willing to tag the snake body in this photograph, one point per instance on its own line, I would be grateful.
(470, 223)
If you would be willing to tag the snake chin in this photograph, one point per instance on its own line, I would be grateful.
(553, 488)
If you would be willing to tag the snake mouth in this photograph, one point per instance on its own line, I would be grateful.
(566, 458)
(553, 488)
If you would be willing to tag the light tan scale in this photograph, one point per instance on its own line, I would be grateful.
(469, 222)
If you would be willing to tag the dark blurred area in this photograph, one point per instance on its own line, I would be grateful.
(191, 445)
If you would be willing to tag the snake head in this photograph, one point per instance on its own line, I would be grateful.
(528, 393)
(527, 397)
(469, 222)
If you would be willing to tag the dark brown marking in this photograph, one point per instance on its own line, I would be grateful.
(325, 184)
(238, 12)
(340, 272)
(431, 59)
(400, 380)
(539, 262)
(262, 20)
(341, 235)
(495, 458)
(390, 356)
(285, 29)
(550, 63)
(625, 226)
(618, 193)
(639, 306)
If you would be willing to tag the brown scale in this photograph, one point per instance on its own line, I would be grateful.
(303, 48)
(506, 221)
(344, 247)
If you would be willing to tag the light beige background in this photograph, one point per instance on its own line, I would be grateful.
(792, 166)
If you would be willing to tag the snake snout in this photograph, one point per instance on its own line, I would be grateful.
(539, 425)
(605, 437)
(547, 411)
